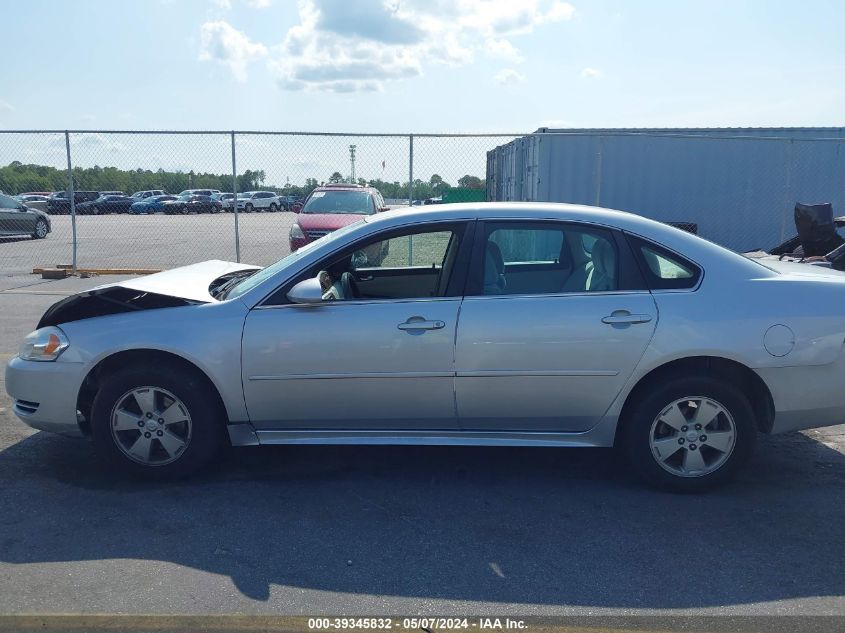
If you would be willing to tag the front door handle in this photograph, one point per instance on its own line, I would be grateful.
(624, 317)
(419, 323)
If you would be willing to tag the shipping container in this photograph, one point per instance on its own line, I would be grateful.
(739, 185)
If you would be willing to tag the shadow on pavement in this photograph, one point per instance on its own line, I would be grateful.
(508, 525)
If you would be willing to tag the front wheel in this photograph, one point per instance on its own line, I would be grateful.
(249, 208)
(689, 434)
(157, 424)
(41, 230)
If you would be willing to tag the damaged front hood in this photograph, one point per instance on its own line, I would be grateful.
(192, 282)
(188, 285)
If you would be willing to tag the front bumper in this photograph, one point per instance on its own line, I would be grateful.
(44, 394)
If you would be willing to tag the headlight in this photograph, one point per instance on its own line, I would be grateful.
(45, 344)
(296, 232)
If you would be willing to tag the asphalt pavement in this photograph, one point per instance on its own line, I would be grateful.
(409, 530)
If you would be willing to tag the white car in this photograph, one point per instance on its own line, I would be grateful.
(488, 324)
(141, 195)
(250, 201)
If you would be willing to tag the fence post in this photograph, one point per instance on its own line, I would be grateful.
(235, 202)
(410, 194)
(410, 170)
(71, 197)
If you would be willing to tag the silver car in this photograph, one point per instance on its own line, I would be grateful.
(17, 218)
(487, 324)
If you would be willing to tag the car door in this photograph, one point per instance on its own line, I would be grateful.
(555, 320)
(365, 363)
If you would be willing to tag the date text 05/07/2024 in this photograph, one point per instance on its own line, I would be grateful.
(416, 623)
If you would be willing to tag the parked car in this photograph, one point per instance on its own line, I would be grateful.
(287, 202)
(331, 207)
(510, 324)
(150, 204)
(226, 200)
(18, 219)
(250, 201)
(31, 197)
(149, 193)
(59, 203)
(199, 192)
(45, 194)
(192, 203)
(107, 203)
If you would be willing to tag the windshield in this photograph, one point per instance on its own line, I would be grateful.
(357, 202)
(247, 284)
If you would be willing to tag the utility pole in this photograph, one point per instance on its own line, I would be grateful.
(352, 160)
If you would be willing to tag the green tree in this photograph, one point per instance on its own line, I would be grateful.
(471, 182)
(336, 177)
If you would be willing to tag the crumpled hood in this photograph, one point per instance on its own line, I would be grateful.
(187, 282)
(179, 287)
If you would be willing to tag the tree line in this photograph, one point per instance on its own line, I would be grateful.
(17, 177)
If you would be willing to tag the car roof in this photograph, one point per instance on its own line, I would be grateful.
(345, 186)
(690, 246)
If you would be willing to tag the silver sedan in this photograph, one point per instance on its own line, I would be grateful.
(486, 324)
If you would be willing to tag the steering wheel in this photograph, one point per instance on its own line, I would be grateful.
(349, 286)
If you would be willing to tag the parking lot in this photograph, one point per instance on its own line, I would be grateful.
(400, 530)
(151, 241)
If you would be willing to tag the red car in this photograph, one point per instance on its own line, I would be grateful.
(332, 207)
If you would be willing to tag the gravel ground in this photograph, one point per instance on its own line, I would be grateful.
(408, 530)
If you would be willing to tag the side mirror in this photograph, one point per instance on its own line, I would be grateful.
(308, 291)
(384, 209)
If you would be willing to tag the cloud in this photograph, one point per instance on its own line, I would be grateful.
(258, 4)
(592, 73)
(221, 42)
(225, 5)
(508, 77)
(5, 106)
(344, 46)
(503, 49)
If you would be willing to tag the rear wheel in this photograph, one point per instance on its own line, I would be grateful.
(158, 424)
(273, 207)
(41, 229)
(689, 434)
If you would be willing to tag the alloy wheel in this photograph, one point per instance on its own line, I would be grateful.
(693, 436)
(151, 426)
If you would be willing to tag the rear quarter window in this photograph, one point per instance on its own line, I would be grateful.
(663, 269)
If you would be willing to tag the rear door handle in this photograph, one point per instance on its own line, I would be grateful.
(625, 317)
(419, 323)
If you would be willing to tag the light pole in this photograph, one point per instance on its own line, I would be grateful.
(352, 160)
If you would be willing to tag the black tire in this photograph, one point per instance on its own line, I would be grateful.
(184, 209)
(40, 231)
(249, 208)
(273, 207)
(636, 430)
(207, 419)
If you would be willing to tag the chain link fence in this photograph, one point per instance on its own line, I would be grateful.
(739, 189)
(104, 228)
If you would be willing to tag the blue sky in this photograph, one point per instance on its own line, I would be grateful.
(424, 66)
